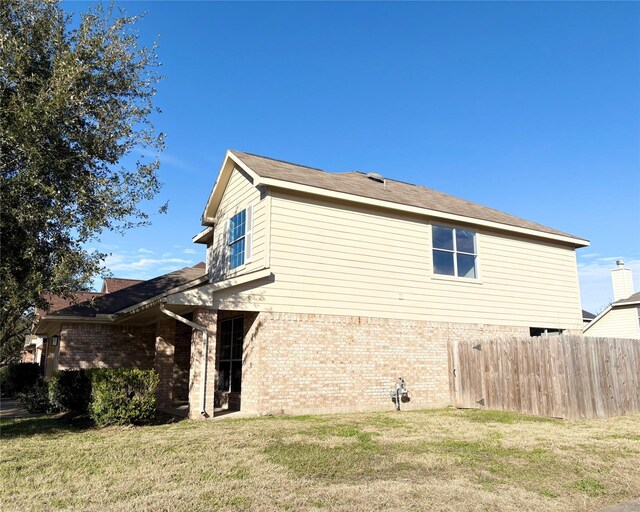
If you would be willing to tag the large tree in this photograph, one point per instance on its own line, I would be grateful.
(76, 97)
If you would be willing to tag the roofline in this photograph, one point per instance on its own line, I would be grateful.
(228, 164)
(112, 317)
(231, 160)
(630, 303)
(186, 286)
(215, 286)
(609, 308)
(598, 317)
(271, 182)
(202, 236)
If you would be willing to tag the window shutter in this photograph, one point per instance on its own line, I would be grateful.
(248, 237)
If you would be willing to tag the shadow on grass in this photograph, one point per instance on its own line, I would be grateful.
(62, 424)
(44, 425)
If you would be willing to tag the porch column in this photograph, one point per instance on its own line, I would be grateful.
(207, 318)
(164, 359)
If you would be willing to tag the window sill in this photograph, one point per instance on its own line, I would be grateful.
(456, 279)
(235, 271)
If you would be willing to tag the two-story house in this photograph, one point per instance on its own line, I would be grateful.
(321, 289)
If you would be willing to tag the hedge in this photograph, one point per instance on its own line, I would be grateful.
(120, 397)
(110, 396)
(70, 390)
(36, 398)
(17, 377)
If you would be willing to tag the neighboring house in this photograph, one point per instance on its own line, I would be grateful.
(322, 289)
(113, 284)
(621, 319)
(587, 317)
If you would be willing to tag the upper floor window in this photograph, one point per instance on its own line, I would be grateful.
(237, 230)
(454, 252)
(240, 238)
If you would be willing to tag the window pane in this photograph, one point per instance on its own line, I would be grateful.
(442, 238)
(465, 241)
(443, 263)
(224, 376)
(466, 266)
(237, 347)
(225, 343)
(237, 226)
(236, 376)
(236, 253)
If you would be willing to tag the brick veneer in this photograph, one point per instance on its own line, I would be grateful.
(163, 362)
(181, 360)
(207, 318)
(106, 346)
(296, 363)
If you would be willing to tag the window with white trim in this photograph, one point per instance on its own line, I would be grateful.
(237, 225)
(454, 252)
(240, 238)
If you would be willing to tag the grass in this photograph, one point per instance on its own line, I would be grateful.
(424, 460)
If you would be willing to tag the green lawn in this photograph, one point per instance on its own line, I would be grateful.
(428, 460)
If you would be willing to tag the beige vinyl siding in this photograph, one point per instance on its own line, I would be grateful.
(239, 193)
(337, 258)
(618, 322)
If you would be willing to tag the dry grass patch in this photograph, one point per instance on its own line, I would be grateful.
(425, 460)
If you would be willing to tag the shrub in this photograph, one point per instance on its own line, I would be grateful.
(70, 390)
(36, 398)
(120, 397)
(17, 377)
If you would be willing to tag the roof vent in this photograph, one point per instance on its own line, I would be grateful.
(376, 177)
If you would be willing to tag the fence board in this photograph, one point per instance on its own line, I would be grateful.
(556, 376)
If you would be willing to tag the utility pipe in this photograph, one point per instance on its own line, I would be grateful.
(205, 334)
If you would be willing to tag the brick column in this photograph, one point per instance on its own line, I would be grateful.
(207, 318)
(163, 362)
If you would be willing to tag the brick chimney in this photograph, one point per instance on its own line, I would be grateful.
(622, 281)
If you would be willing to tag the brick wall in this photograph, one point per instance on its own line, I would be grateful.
(181, 359)
(163, 362)
(106, 346)
(297, 364)
(322, 363)
(207, 318)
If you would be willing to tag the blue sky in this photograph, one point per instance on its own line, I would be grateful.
(530, 108)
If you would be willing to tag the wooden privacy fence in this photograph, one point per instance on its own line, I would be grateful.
(555, 376)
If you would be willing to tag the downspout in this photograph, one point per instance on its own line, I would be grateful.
(205, 334)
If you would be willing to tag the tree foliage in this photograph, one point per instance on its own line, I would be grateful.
(75, 100)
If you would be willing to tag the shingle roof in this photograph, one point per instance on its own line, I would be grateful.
(113, 284)
(632, 298)
(587, 316)
(111, 303)
(357, 183)
(56, 303)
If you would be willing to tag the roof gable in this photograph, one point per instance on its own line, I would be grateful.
(230, 162)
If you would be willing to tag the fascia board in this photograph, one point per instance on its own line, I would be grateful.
(596, 319)
(152, 300)
(213, 287)
(202, 236)
(230, 161)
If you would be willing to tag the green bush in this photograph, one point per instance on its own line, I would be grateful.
(70, 390)
(120, 397)
(17, 377)
(36, 398)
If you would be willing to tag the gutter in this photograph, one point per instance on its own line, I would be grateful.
(205, 334)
